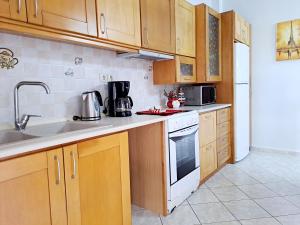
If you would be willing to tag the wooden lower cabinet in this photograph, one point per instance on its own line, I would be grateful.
(81, 184)
(208, 160)
(32, 190)
(97, 181)
(214, 139)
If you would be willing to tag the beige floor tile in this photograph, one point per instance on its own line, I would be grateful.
(224, 223)
(283, 188)
(278, 206)
(257, 191)
(295, 199)
(240, 179)
(218, 180)
(182, 215)
(145, 217)
(246, 209)
(230, 193)
(202, 196)
(263, 221)
(289, 220)
(212, 213)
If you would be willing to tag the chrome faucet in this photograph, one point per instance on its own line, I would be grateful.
(20, 124)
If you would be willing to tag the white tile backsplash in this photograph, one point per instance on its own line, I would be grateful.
(47, 61)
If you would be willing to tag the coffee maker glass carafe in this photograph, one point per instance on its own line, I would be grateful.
(119, 103)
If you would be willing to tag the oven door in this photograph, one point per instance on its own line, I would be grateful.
(184, 152)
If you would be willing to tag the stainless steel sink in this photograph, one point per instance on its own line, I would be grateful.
(7, 137)
(61, 127)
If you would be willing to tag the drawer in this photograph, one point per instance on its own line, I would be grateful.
(223, 155)
(223, 141)
(223, 115)
(223, 129)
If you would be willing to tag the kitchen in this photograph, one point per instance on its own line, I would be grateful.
(123, 170)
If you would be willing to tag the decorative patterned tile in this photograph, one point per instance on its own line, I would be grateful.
(289, 220)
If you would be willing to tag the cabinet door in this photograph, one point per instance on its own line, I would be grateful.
(185, 69)
(158, 25)
(32, 190)
(13, 9)
(214, 46)
(119, 21)
(185, 28)
(97, 181)
(208, 128)
(208, 159)
(75, 16)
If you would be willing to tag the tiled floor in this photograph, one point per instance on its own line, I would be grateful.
(263, 189)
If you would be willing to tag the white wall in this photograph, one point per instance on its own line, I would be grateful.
(276, 90)
(215, 4)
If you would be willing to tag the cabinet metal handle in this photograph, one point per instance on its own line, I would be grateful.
(58, 175)
(74, 165)
(102, 23)
(19, 6)
(35, 8)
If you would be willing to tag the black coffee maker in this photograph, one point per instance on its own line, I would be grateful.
(119, 103)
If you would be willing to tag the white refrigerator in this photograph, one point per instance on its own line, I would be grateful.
(241, 101)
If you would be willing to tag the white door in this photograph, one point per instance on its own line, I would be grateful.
(241, 63)
(242, 121)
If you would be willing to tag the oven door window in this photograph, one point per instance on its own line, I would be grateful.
(182, 155)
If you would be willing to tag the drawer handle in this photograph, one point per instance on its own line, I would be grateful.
(58, 175)
(35, 8)
(19, 6)
(74, 165)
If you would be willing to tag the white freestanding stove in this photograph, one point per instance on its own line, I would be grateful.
(182, 157)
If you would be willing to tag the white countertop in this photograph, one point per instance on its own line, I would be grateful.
(116, 125)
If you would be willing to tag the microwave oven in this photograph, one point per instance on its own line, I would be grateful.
(200, 95)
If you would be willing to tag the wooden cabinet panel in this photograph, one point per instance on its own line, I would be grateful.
(208, 128)
(76, 16)
(242, 30)
(208, 160)
(13, 9)
(223, 142)
(158, 25)
(119, 21)
(103, 183)
(185, 28)
(223, 129)
(208, 44)
(224, 155)
(32, 190)
(223, 115)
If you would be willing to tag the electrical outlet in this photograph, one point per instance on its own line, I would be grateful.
(104, 77)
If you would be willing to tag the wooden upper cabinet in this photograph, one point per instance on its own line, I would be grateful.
(208, 33)
(97, 181)
(158, 25)
(119, 21)
(32, 190)
(13, 9)
(185, 28)
(242, 29)
(76, 16)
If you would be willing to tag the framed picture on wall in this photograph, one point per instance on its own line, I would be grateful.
(288, 40)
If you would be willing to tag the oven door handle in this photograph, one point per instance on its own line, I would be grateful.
(185, 132)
